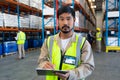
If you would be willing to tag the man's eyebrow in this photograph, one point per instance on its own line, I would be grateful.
(61, 17)
(64, 17)
(68, 17)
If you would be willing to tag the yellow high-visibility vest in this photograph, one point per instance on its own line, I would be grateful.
(55, 55)
(98, 36)
(21, 38)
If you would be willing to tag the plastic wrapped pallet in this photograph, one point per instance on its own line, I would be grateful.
(1, 19)
(40, 23)
(36, 4)
(69, 1)
(111, 21)
(10, 47)
(10, 20)
(35, 21)
(24, 22)
(81, 20)
(24, 1)
(77, 18)
(82, 2)
(112, 41)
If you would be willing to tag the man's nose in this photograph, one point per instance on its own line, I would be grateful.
(65, 22)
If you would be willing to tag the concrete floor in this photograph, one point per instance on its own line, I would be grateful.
(107, 67)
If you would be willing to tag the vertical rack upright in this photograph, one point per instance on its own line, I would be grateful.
(112, 23)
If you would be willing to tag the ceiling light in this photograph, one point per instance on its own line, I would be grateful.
(93, 6)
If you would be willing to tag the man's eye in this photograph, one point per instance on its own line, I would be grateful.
(68, 18)
(61, 19)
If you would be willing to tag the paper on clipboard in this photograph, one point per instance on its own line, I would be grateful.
(41, 71)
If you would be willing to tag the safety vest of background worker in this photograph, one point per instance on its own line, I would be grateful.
(21, 37)
(98, 39)
(73, 53)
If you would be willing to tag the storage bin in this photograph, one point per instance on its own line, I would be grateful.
(1, 49)
(41, 42)
(9, 47)
(36, 43)
(26, 45)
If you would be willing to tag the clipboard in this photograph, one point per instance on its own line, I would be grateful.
(51, 72)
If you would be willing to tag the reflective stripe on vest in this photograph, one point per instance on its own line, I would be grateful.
(78, 49)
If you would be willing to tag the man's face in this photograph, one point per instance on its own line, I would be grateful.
(66, 22)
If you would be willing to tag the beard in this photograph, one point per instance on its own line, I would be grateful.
(66, 29)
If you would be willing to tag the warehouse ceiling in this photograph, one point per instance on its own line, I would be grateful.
(98, 4)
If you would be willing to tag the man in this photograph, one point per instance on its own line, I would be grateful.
(21, 37)
(66, 50)
(98, 40)
(90, 37)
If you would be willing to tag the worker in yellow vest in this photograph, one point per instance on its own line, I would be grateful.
(21, 37)
(67, 50)
(98, 40)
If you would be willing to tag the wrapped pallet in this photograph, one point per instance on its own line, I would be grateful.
(24, 21)
(35, 21)
(10, 20)
(36, 4)
(1, 19)
(81, 20)
(112, 41)
(26, 2)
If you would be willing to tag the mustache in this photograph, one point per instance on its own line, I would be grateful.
(65, 26)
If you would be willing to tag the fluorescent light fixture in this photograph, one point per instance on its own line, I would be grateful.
(94, 6)
(91, 0)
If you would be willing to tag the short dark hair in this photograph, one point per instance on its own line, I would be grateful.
(65, 9)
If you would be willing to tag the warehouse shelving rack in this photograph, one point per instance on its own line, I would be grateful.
(19, 7)
(50, 4)
(14, 7)
(25, 8)
(112, 13)
(77, 6)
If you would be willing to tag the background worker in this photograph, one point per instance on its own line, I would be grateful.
(98, 40)
(90, 37)
(21, 37)
(66, 50)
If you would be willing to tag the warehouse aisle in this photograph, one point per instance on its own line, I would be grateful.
(12, 69)
(107, 67)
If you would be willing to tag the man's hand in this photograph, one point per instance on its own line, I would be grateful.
(48, 65)
(63, 76)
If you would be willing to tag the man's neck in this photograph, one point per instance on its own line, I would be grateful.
(65, 36)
